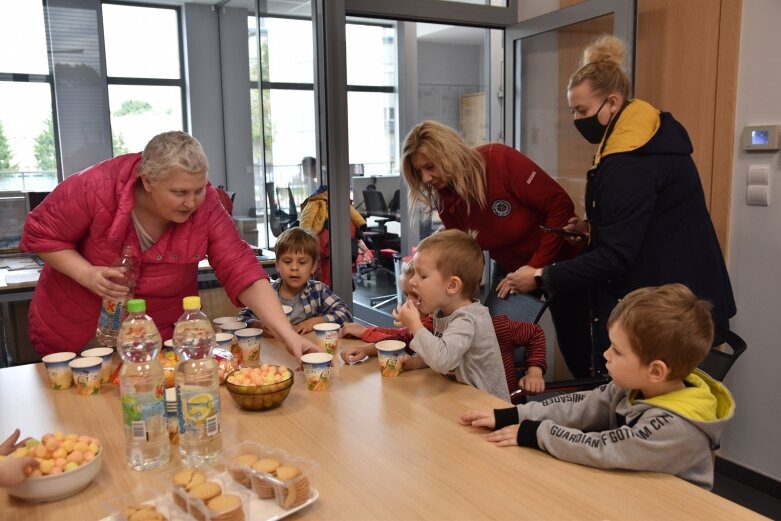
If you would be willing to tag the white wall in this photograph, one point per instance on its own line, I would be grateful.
(755, 249)
(445, 73)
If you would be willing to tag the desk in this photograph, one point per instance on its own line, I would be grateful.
(386, 448)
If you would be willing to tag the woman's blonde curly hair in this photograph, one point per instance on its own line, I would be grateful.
(462, 166)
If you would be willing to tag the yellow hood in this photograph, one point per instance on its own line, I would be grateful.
(636, 125)
(314, 212)
(702, 400)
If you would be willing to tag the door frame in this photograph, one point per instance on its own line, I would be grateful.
(624, 27)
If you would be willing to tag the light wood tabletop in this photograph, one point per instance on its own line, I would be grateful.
(385, 448)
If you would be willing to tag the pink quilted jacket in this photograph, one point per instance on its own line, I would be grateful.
(91, 212)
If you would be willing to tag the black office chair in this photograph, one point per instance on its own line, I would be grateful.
(717, 364)
(374, 204)
(279, 220)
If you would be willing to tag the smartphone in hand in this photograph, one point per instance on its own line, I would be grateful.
(561, 231)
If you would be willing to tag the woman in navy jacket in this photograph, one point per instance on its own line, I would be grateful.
(647, 222)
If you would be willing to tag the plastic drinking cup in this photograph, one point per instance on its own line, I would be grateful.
(249, 345)
(86, 374)
(317, 370)
(106, 354)
(327, 336)
(390, 354)
(60, 375)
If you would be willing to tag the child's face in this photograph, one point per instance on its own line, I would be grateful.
(428, 284)
(295, 269)
(624, 366)
(409, 292)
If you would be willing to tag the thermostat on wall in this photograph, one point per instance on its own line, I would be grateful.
(762, 138)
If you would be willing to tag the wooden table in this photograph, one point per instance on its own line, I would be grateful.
(386, 448)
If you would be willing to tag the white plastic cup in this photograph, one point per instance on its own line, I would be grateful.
(390, 354)
(106, 354)
(232, 326)
(219, 321)
(249, 344)
(86, 374)
(317, 370)
(224, 340)
(60, 374)
(327, 336)
(287, 310)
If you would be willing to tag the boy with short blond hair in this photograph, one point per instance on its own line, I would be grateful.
(660, 413)
(312, 302)
(448, 269)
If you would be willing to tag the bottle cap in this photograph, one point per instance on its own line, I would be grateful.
(191, 303)
(136, 305)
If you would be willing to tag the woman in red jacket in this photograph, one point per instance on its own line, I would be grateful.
(160, 204)
(501, 195)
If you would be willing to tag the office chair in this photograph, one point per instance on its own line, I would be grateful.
(717, 363)
(280, 221)
(375, 206)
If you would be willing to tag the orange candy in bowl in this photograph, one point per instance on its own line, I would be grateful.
(66, 465)
(259, 388)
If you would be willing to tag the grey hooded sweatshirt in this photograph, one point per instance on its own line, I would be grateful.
(613, 428)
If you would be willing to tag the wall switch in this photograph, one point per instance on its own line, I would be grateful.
(758, 195)
(759, 175)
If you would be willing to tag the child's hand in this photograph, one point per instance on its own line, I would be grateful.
(15, 470)
(307, 325)
(411, 363)
(533, 381)
(506, 437)
(479, 419)
(10, 444)
(407, 315)
(357, 353)
(352, 329)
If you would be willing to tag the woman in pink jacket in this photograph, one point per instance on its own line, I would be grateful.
(160, 204)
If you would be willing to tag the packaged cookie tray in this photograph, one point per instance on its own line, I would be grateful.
(272, 474)
(206, 494)
(143, 504)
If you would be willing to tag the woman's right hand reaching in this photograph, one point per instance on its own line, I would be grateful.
(105, 282)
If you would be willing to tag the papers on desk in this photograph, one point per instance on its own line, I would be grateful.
(18, 277)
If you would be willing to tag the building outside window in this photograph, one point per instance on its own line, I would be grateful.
(288, 110)
(144, 73)
(28, 158)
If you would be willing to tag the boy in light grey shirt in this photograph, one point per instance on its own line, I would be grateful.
(448, 269)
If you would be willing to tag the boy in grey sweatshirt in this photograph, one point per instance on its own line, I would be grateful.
(658, 414)
(448, 269)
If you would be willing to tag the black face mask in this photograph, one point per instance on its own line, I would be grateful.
(590, 127)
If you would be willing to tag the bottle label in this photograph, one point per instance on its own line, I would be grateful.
(111, 314)
(198, 411)
(139, 408)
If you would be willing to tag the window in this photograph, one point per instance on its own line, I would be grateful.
(144, 73)
(288, 104)
(28, 159)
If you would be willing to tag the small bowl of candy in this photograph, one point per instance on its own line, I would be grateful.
(260, 388)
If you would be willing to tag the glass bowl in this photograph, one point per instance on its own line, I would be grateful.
(260, 397)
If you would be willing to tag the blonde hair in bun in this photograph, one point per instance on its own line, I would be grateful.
(602, 65)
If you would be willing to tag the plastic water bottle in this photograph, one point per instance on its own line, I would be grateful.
(142, 390)
(197, 387)
(114, 311)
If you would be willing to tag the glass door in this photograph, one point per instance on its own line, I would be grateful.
(541, 54)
